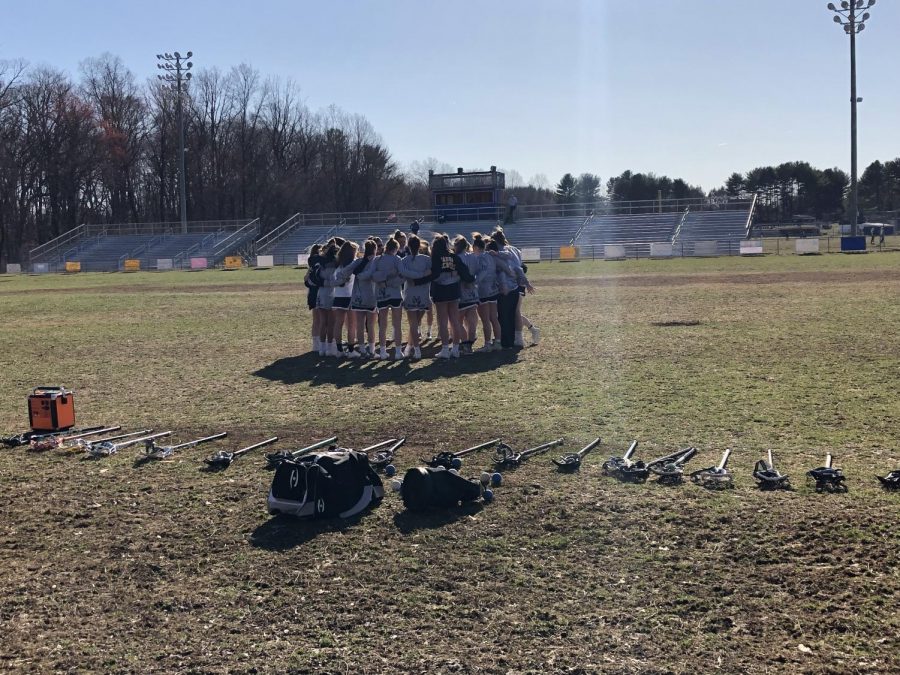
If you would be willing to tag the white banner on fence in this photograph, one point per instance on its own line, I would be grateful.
(40, 268)
(13, 268)
(705, 248)
(531, 254)
(265, 261)
(302, 260)
(164, 264)
(806, 246)
(752, 247)
(198, 263)
(614, 252)
(661, 249)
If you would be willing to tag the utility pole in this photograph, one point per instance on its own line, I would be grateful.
(177, 72)
(848, 16)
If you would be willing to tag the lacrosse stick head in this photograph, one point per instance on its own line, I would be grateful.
(891, 481)
(670, 472)
(104, 449)
(570, 462)
(767, 478)
(713, 478)
(153, 451)
(441, 459)
(506, 457)
(625, 470)
(827, 479)
(220, 460)
(44, 444)
(381, 459)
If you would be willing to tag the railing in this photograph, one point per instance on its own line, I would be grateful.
(581, 227)
(750, 217)
(268, 240)
(52, 246)
(236, 239)
(677, 232)
(524, 211)
(168, 227)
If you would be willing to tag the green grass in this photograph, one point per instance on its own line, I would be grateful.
(110, 566)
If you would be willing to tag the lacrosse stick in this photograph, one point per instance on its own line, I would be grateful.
(572, 462)
(624, 469)
(275, 459)
(382, 458)
(223, 459)
(670, 469)
(507, 458)
(107, 448)
(768, 477)
(153, 451)
(715, 476)
(43, 444)
(827, 478)
(891, 481)
(82, 444)
(29, 436)
(453, 460)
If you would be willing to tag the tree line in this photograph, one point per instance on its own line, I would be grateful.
(104, 148)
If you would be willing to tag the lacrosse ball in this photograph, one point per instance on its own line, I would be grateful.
(390, 470)
(485, 478)
(488, 496)
(396, 485)
(456, 463)
(496, 479)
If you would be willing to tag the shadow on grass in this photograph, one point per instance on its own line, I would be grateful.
(281, 532)
(319, 370)
(410, 521)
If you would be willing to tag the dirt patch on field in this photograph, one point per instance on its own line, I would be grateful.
(628, 281)
(187, 289)
(651, 280)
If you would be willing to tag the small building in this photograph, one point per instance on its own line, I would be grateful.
(476, 195)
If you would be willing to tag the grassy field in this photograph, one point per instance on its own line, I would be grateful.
(114, 566)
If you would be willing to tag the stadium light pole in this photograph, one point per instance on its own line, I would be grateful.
(177, 70)
(848, 15)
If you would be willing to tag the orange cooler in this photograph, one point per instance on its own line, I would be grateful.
(51, 409)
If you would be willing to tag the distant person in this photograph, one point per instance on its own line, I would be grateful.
(881, 236)
(511, 204)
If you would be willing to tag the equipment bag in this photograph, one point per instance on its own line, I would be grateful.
(426, 487)
(338, 483)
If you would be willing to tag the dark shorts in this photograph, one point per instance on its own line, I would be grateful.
(341, 303)
(521, 290)
(311, 297)
(470, 303)
(441, 293)
(392, 302)
(491, 299)
(357, 308)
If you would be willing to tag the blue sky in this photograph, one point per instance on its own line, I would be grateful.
(692, 89)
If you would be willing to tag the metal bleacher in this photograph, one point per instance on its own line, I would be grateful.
(105, 247)
(725, 228)
(635, 231)
(105, 253)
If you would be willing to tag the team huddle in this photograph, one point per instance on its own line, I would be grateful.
(458, 283)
